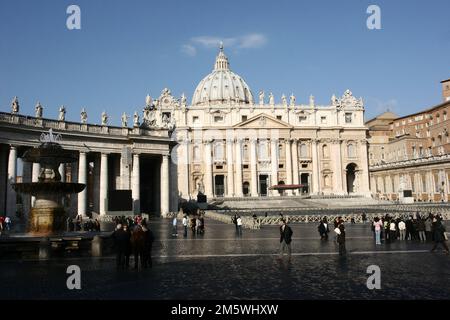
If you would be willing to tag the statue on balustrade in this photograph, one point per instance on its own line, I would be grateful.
(125, 120)
(271, 99)
(83, 116)
(136, 119)
(15, 105)
(104, 119)
(38, 110)
(62, 113)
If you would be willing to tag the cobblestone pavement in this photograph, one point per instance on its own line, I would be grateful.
(220, 265)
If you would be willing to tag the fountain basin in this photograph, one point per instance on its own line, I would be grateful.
(36, 188)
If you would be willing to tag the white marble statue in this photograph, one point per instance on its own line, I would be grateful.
(15, 105)
(38, 110)
(83, 116)
(292, 100)
(271, 99)
(334, 100)
(284, 100)
(311, 101)
(104, 119)
(261, 98)
(148, 101)
(183, 100)
(125, 120)
(62, 113)
(136, 119)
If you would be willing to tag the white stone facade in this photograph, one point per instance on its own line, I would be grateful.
(232, 146)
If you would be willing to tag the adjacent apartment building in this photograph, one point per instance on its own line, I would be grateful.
(411, 153)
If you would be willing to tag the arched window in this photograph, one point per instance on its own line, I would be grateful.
(327, 180)
(351, 151)
(280, 151)
(196, 153)
(303, 151)
(325, 151)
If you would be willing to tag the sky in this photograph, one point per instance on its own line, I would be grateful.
(128, 49)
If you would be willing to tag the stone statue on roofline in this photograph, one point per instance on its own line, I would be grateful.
(62, 113)
(15, 105)
(136, 119)
(124, 120)
(261, 98)
(104, 119)
(38, 110)
(83, 116)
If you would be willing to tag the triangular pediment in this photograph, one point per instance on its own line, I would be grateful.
(261, 121)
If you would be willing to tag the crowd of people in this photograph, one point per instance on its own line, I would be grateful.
(413, 227)
(80, 224)
(133, 236)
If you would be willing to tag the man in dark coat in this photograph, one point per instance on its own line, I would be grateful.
(438, 235)
(149, 238)
(285, 238)
(341, 240)
(121, 242)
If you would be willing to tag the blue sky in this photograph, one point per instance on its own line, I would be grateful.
(126, 49)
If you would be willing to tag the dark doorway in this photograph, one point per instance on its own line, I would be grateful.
(263, 178)
(150, 195)
(351, 168)
(281, 191)
(245, 188)
(304, 180)
(219, 185)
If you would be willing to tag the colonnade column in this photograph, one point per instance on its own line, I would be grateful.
(35, 178)
(274, 165)
(230, 175)
(253, 172)
(337, 156)
(82, 178)
(62, 171)
(10, 193)
(238, 168)
(287, 143)
(208, 169)
(135, 185)
(295, 173)
(103, 184)
(186, 191)
(315, 168)
(365, 189)
(165, 190)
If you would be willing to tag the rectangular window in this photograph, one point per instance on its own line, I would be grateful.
(195, 120)
(348, 117)
(245, 166)
(279, 117)
(302, 119)
(280, 166)
(218, 118)
(304, 165)
(219, 167)
(323, 120)
(244, 118)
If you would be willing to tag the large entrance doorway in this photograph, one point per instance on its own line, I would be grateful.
(304, 180)
(263, 180)
(246, 188)
(351, 169)
(219, 185)
(150, 195)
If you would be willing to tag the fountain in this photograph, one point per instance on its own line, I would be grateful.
(47, 216)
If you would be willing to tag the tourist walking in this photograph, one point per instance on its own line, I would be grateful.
(7, 223)
(185, 225)
(148, 244)
(127, 230)
(174, 226)
(392, 231)
(421, 229)
(341, 239)
(138, 240)
(121, 240)
(323, 229)
(234, 220)
(378, 226)
(439, 235)
(402, 229)
(428, 224)
(285, 238)
(239, 225)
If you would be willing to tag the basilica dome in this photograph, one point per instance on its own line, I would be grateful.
(222, 85)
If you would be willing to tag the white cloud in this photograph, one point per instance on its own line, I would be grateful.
(247, 41)
(189, 49)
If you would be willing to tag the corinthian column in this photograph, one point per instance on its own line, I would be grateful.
(82, 178)
(365, 189)
(295, 179)
(254, 179)
(104, 184)
(315, 168)
(274, 165)
(10, 193)
(135, 184)
(208, 169)
(230, 175)
(337, 156)
(238, 168)
(165, 190)
(287, 143)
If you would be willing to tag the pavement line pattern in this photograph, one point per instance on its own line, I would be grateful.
(180, 238)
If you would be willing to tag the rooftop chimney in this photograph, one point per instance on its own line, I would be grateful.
(446, 89)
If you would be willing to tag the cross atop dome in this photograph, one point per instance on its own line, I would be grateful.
(221, 60)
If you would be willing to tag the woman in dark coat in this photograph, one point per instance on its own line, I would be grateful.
(438, 235)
